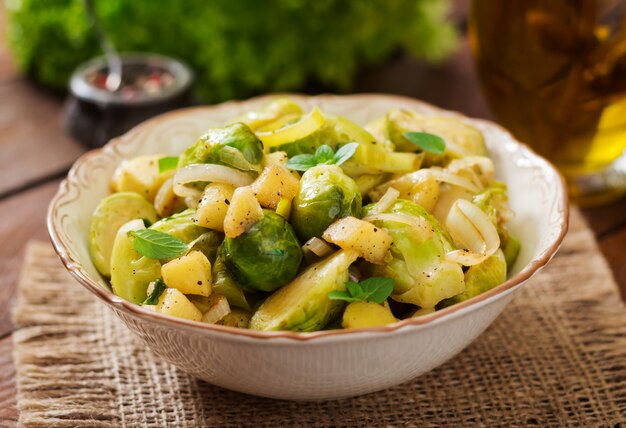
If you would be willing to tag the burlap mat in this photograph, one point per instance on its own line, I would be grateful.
(556, 357)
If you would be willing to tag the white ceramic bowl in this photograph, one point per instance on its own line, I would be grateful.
(327, 364)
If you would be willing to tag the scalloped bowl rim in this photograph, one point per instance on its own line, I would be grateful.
(74, 267)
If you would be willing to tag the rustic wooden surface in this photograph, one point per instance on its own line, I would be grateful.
(35, 153)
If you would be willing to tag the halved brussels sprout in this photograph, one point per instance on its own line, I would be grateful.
(264, 257)
(303, 304)
(416, 261)
(110, 214)
(510, 247)
(494, 201)
(234, 146)
(325, 195)
(480, 278)
(208, 243)
(225, 285)
(461, 139)
(131, 273)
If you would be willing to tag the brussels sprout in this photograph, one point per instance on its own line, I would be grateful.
(224, 284)
(131, 273)
(325, 194)
(303, 304)
(510, 247)
(264, 257)
(416, 260)
(180, 225)
(480, 278)
(492, 201)
(461, 139)
(234, 145)
(110, 214)
(208, 243)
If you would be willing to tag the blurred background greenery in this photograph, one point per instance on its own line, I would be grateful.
(238, 48)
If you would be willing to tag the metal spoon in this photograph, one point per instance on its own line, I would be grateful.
(114, 76)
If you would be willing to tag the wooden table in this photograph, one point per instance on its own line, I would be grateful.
(35, 154)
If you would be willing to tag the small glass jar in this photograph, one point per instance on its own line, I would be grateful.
(151, 84)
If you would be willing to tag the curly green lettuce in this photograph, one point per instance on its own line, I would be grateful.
(237, 48)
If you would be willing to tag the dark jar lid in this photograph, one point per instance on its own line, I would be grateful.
(84, 89)
(93, 115)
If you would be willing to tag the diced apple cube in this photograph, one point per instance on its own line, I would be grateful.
(366, 314)
(189, 274)
(350, 233)
(274, 183)
(244, 210)
(276, 158)
(173, 302)
(213, 206)
(140, 175)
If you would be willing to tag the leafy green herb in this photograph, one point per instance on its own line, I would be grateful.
(159, 288)
(50, 39)
(427, 142)
(157, 245)
(375, 289)
(167, 163)
(345, 152)
(324, 155)
(301, 162)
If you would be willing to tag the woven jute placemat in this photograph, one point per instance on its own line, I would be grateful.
(555, 357)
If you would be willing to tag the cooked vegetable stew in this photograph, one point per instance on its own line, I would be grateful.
(304, 221)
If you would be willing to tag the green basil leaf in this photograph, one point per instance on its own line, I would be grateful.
(342, 295)
(301, 162)
(354, 289)
(168, 163)
(324, 155)
(157, 245)
(345, 152)
(376, 289)
(427, 142)
(159, 288)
